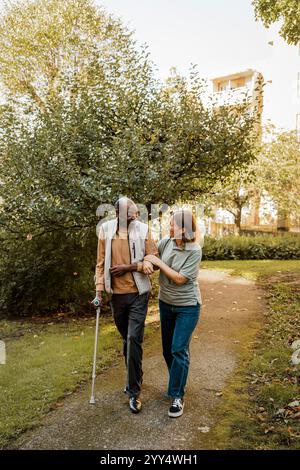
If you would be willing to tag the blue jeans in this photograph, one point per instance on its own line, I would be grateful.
(177, 326)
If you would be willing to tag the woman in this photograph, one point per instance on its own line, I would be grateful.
(179, 300)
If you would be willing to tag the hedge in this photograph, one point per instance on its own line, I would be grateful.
(259, 247)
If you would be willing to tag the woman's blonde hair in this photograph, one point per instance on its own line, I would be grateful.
(186, 220)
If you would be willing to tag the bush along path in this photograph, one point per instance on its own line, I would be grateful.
(232, 313)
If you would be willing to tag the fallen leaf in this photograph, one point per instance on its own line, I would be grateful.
(294, 403)
(204, 429)
(269, 429)
(261, 417)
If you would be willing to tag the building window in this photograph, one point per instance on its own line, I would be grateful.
(238, 83)
(222, 86)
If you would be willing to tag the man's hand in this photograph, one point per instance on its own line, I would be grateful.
(120, 269)
(147, 267)
(97, 299)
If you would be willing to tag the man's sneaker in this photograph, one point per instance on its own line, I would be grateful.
(176, 408)
(135, 404)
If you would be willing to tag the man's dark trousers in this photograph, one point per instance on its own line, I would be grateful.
(129, 312)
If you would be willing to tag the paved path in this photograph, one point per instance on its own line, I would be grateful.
(232, 307)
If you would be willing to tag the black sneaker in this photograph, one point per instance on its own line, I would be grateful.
(176, 408)
(135, 404)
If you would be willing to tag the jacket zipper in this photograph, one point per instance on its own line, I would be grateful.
(133, 260)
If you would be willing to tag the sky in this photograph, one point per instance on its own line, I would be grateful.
(221, 37)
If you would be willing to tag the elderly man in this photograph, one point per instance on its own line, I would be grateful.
(120, 271)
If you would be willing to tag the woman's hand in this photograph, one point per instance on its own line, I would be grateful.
(153, 259)
(147, 267)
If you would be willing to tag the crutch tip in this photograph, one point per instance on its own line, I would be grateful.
(92, 401)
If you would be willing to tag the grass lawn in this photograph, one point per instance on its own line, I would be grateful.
(253, 269)
(260, 408)
(47, 360)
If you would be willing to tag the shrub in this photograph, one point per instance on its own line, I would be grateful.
(259, 247)
(49, 273)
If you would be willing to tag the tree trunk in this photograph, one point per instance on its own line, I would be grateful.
(238, 219)
(283, 220)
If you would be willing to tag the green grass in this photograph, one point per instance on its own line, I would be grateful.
(46, 362)
(254, 412)
(253, 269)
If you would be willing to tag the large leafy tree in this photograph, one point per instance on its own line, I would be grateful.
(275, 173)
(286, 11)
(84, 120)
(234, 194)
(279, 173)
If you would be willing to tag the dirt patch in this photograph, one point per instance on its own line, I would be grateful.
(291, 279)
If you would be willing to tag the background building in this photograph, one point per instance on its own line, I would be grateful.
(233, 89)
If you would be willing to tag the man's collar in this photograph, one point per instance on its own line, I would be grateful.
(188, 246)
(129, 226)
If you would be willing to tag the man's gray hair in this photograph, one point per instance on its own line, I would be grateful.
(123, 200)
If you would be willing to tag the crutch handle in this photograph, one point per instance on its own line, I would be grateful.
(96, 302)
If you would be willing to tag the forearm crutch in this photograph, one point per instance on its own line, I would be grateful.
(92, 399)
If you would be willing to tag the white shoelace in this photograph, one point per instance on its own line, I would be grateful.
(177, 402)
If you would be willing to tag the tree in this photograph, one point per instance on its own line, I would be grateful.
(288, 11)
(275, 173)
(234, 194)
(84, 121)
(279, 172)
